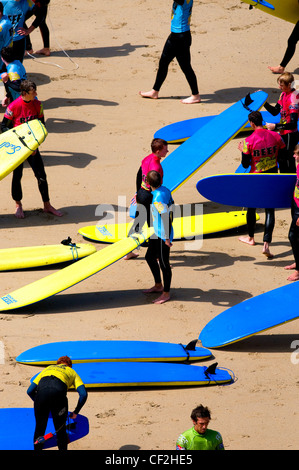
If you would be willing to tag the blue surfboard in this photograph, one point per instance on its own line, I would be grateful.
(17, 429)
(180, 131)
(149, 374)
(101, 351)
(263, 190)
(252, 316)
(187, 159)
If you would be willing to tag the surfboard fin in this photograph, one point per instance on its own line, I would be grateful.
(67, 241)
(191, 346)
(247, 101)
(211, 370)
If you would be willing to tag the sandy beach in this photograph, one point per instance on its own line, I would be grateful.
(99, 128)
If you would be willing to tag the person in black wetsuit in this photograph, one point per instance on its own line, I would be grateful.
(177, 46)
(42, 6)
(49, 393)
(290, 51)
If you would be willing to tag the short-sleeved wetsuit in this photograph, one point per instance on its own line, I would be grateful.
(192, 440)
(49, 392)
(294, 229)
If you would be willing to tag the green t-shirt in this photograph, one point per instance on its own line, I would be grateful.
(192, 440)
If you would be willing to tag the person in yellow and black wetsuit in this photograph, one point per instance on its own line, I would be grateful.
(49, 393)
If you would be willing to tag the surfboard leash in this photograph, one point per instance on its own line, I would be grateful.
(46, 437)
(73, 246)
(190, 347)
(247, 101)
(211, 370)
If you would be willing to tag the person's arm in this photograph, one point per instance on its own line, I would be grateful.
(6, 124)
(246, 160)
(288, 126)
(274, 110)
(81, 401)
(139, 179)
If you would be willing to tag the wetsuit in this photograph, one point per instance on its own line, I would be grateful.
(144, 194)
(192, 440)
(6, 36)
(40, 7)
(49, 393)
(261, 150)
(16, 12)
(294, 229)
(178, 46)
(291, 48)
(19, 112)
(16, 74)
(288, 107)
(157, 249)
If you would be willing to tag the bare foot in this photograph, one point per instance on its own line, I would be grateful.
(19, 212)
(266, 251)
(43, 51)
(162, 299)
(153, 94)
(192, 99)
(291, 266)
(153, 290)
(294, 276)
(278, 69)
(248, 240)
(51, 210)
(131, 255)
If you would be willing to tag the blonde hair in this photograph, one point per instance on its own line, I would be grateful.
(286, 77)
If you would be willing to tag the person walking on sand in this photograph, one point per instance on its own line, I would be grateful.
(294, 228)
(262, 150)
(177, 46)
(27, 108)
(157, 255)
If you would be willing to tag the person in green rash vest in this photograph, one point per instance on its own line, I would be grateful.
(199, 437)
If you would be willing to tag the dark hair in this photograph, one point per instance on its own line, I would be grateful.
(65, 360)
(154, 179)
(200, 412)
(7, 53)
(26, 86)
(158, 144)
(1, 7)
(256, 118)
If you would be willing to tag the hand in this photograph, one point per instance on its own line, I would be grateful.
(270, 126)
(22, 32)
(240, 146)
(297, 222)
(168, 243)
(73, 415)
(4, 77)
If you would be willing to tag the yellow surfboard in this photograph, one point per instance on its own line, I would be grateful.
(287, 10)
(35, 256)
(71, 275)
(18, 143)
(186, 227)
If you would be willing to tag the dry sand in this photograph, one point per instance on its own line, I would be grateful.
(99, 129)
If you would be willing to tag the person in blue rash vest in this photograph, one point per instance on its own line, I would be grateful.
(49, 393)
(157, 255)
(16, 10)
(13, 77)
(177, 46)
